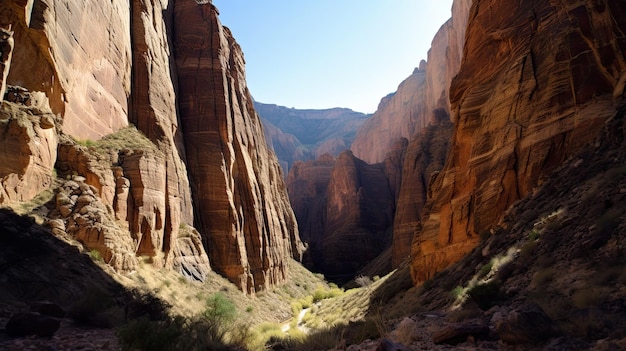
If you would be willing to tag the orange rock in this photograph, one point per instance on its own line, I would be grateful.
(536, 83)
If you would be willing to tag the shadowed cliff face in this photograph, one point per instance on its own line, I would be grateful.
(241, 202)
(345, 209)
(102, 65)
(537, 82)
(428, 146)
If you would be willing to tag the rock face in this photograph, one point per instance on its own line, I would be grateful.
(28, 149)
(241, 203)
(101, 66)
(425, 156)
(397, 117)
(345, 209)
(6, 52)
(430, 120)
(537, 82)
(85, 76)
(308, 134)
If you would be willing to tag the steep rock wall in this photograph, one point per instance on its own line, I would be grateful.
(428, 146)
(154, 111)
(85, 75)
(397, 117)
(103, 65)
(345, 209)
(537, 81)
(241, 203)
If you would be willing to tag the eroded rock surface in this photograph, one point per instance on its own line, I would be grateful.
(345, 209)
(397, 117)
(537, 82)
(241, 204)
(28, 150)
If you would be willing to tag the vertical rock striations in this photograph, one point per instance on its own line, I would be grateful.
(103, 65)
(154, 111)
(345, 209)
(241, 205)
(537, 81)
(427, 149)
(397, 117)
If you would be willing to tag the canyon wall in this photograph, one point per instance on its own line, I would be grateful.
(427, 148)
(537, 81)
(240, 198)
(398, 116)
(302, 135)
(345, 209)
(126, 191)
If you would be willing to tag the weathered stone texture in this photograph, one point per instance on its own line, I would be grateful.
(242, 207)
(427, 149)
(79, 54)
(28, 149)
(345, 209)
(6, 53)
(397, 117)
(537, 81)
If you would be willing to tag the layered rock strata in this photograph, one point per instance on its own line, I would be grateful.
(345, 209)
(241, 203)
(397, 117)
(99, 76)
(537, 81)
(28, 150)
(425, 157)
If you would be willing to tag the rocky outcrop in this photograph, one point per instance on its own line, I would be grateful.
(241, 204)
(28, 149)
(79, 214)
(397, 117)
(537, 82)
(308, 134)
(345, 209)
(6, 52)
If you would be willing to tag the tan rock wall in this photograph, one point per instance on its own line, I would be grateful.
(537, 81)
(398, 116)
(79, 54)
(241, 203)
(28, 149)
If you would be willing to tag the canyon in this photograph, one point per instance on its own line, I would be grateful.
(135, 139)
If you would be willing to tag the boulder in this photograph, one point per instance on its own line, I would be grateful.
(32, 323)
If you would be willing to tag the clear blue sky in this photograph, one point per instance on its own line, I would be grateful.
(331, 53)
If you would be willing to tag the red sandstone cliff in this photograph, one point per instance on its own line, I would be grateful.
(103, 65)
(537, 81)
(345, 209)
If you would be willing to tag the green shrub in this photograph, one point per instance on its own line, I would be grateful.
(485, 295)
(95, 255)
(219, 315)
